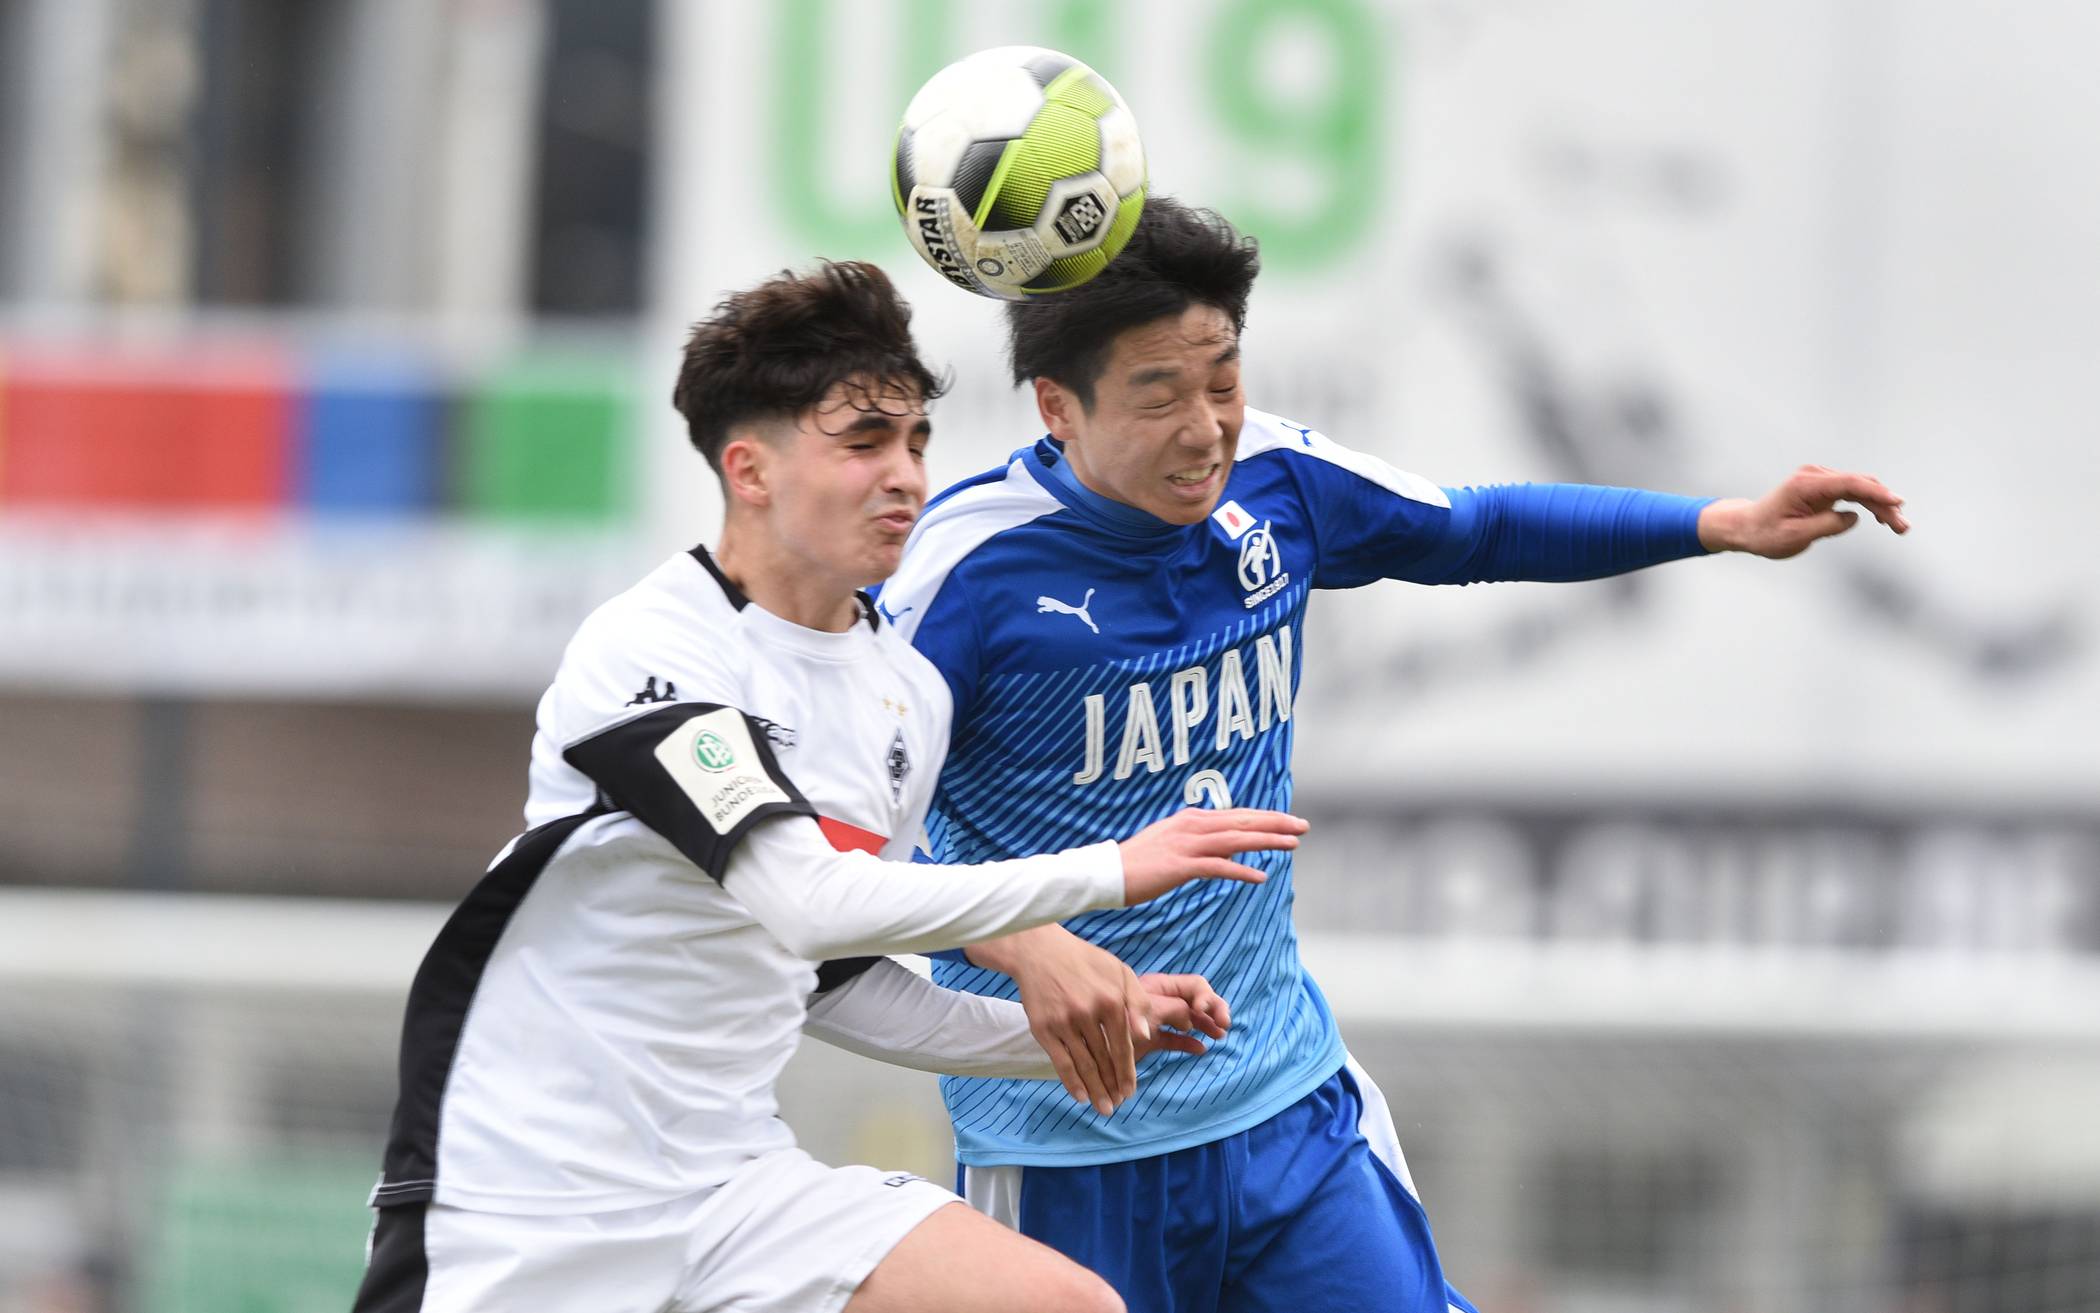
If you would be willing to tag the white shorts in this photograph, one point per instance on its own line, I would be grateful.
(785, 1233)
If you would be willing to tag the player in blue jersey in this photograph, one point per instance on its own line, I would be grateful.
(1118, 610)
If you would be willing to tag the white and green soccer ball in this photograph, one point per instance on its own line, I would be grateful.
(1018, 172)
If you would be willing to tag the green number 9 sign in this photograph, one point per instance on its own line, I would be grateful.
(1335, 129)
(1326, 139)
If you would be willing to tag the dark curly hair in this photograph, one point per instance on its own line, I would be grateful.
(1177, 257)
(772, 351)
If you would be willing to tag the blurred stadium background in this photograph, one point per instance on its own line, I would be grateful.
(1727, 939)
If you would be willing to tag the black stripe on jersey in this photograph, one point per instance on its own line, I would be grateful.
(731, 591)
(738, 600)
(399, 1270)
(621, 759)
(838, 970)
(437, 1009)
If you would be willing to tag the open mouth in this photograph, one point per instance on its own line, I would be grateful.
(1195, 478)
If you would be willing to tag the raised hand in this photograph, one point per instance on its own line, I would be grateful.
(1786, 520)
(1198, 843)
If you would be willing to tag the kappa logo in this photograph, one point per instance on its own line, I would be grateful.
(649, 693)
(1261, 566)
(780, 736)
(1051, 606)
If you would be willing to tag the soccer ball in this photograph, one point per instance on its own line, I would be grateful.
(1018, 172)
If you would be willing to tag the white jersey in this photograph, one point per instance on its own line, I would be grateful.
(600, 1024)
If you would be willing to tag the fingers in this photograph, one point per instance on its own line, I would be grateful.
(1107, 1038)
(1219, 868)
(1829, 524)
(1167, 1041)
(1827, 487)
(1226, 842)
(1243, 830)
(1170, 1011)
(1133, 1020)
(1067, 1070)
(1178, 1002)
(1190, 997)
(1089, 1063)
(1246, 819)
(1889, 513)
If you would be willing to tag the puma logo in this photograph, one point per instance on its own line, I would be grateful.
(1046, 605)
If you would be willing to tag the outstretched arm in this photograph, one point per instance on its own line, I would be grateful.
(701, 776)
(822, 903)
(1373, 521)
(1556, 532)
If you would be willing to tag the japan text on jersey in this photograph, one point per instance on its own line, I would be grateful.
(1108, 668)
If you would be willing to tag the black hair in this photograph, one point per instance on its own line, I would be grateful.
(1177, 257)
(772, 351)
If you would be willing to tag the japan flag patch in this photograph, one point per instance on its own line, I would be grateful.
(1233, 520)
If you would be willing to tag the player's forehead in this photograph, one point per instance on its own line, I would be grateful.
(869, 401)
(1196, 340)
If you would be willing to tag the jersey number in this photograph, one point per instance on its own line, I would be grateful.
(1207, 788)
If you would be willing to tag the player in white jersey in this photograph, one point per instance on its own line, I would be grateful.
(587, 1120)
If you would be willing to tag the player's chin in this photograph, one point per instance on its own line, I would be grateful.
(879, 557)
(1188, 508)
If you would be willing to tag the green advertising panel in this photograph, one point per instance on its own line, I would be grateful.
(259, 1236)
(550, 440)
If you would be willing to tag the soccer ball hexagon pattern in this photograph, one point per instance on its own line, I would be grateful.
(1019, 172)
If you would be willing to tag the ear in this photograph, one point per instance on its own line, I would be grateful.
(1058, 406)
(746, 468)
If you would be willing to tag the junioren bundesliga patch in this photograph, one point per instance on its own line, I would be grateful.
(714, 760)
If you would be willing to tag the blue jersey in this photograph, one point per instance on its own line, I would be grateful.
(1109, 668)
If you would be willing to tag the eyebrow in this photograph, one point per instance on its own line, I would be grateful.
(880, 421)
(1164, 373)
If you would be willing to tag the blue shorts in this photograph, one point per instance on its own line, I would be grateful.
(1296, 1215)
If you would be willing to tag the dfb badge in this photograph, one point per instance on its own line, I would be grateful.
(899, 762)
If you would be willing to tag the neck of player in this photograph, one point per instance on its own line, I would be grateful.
(798, 590)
